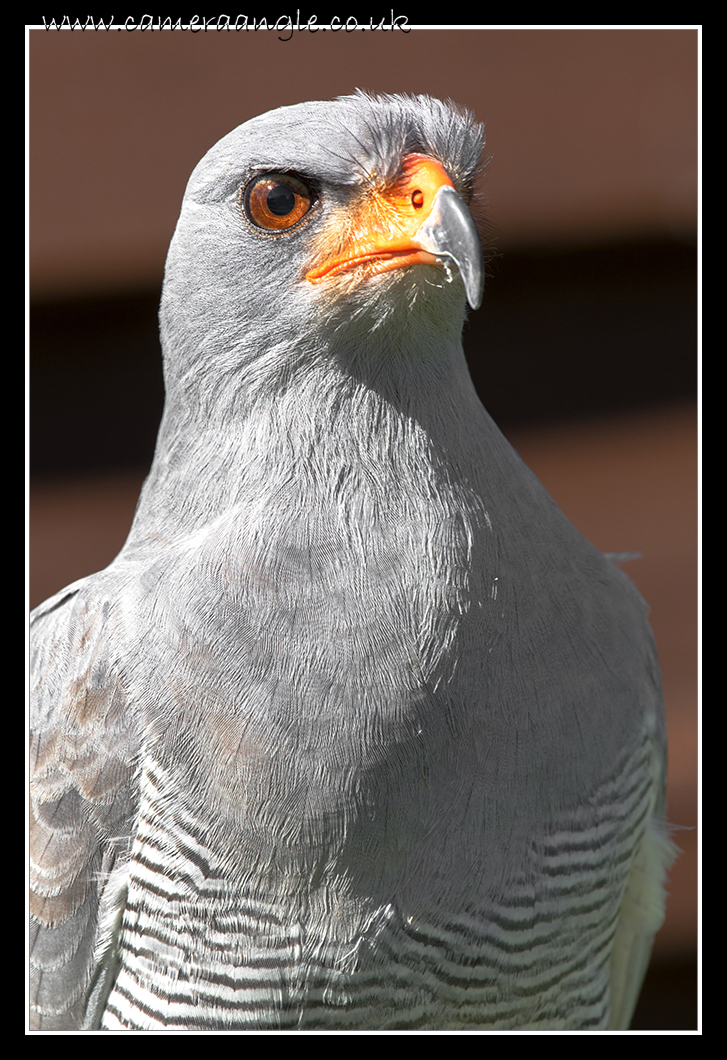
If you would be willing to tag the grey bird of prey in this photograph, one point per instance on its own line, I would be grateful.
(357, 731)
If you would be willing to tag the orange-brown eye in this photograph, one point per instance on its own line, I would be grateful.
(277, 201)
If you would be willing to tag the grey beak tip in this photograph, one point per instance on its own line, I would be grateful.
(450, 231)
(474, 298)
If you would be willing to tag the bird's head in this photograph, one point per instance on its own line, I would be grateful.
(324, 226)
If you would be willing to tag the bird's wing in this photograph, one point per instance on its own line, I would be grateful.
(640, 916)
(643, 905)
(83, 756)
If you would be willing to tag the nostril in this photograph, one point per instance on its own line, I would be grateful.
(417, 199)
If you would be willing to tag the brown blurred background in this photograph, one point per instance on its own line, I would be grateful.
(584, 351)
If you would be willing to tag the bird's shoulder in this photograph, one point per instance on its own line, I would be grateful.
(84, 795)
(77, 660)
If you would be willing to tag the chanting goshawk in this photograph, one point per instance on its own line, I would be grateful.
(357, 731)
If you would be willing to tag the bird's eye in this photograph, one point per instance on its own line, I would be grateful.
(277, 201)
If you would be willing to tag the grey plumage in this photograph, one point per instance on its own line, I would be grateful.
(357, 731)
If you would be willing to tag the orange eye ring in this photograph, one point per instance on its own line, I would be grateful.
(276, 202)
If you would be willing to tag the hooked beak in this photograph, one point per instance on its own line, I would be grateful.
(450, 232)
(422, 220)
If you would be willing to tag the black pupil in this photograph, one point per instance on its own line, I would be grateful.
(280, 200)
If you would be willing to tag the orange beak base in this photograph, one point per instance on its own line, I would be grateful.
(385, 234)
